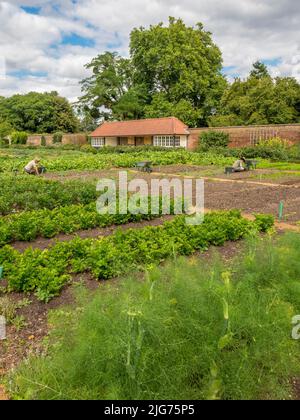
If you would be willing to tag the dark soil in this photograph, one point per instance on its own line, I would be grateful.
(296, 386)
(29, 339)
(82, 175)
(253, 199)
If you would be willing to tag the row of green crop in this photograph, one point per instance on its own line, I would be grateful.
(74, 160)
(45, 272)
(82, 162)
(30, 193)
(27, 226)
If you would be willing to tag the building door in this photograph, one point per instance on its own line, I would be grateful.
(139, 141)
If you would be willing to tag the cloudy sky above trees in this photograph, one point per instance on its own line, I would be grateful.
(45, 44)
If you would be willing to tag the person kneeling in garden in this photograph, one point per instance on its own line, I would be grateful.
(34, 167)
(238, 166)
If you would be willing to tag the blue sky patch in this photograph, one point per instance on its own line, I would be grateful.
(74, 39)
(22, 74)
(31, 10)
(231, 71)
(274, 62)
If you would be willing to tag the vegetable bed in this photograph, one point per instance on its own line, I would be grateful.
(46, 272)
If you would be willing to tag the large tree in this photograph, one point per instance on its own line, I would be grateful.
(109, 92)
(259, 99)
(181, 64)
(172, 70)
(38, 113)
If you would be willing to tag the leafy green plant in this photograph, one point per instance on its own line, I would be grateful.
(31, 193)
(27, 226)
(264, 222)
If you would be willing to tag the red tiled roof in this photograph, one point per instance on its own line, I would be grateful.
(139, 128)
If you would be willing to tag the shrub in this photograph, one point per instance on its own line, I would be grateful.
(57, 137)
(213, 139)
(43, 141)
(5, 130)
(294, 152)
(87, 148)
(19, 137)
(275, 149)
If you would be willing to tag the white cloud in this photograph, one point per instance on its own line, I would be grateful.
(245, 30)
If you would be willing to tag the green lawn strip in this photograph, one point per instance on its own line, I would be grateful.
(276, 175)
(192, 330)
(45, 272)
(283, 166)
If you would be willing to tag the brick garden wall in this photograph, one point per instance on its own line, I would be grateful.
(36, 140)
(247, 136)
(74, 139)
(68, 139)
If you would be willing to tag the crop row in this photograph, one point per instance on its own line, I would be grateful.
(85, 162)
(45, 272)
(74, 160)
(27, 226)
(31, 193)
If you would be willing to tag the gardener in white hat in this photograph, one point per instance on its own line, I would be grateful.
(33, 167)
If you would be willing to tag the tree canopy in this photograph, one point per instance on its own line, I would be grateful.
(259, 99)
(172, 70)
(38, 113)
(176, 70)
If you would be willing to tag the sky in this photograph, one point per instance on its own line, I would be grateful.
(44, 44)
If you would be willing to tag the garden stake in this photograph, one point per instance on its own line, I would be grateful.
(281, 208)
(1, 273)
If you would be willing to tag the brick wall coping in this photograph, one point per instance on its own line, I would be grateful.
(245, 126)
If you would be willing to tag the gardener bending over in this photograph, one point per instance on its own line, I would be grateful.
(238, 166)
(33, 167)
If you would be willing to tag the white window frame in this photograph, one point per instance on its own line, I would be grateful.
(167, 141)
(98, 142)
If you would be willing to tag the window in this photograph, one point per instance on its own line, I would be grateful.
(98, 142)
(166, 141)
(177, 141)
